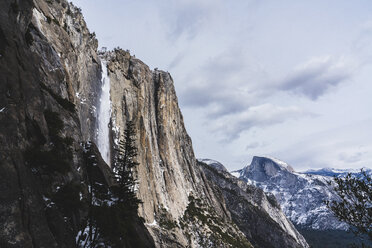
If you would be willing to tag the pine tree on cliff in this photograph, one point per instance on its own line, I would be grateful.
(119, 218)
(113, 212)
(124, 167)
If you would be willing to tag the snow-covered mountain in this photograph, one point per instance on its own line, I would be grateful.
(302, 196)
(337, 172)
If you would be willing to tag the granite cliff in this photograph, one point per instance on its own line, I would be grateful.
(51, 77)
(170, 183)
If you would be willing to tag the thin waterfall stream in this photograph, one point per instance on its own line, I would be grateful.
(104, 115)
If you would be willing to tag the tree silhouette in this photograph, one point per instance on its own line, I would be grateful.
(355, 204)
(124, 168)
(113, 209)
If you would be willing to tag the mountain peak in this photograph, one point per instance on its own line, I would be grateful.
(301, 196)
(279, 162)
(263, 168)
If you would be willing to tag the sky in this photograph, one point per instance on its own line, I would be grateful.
(289, 79)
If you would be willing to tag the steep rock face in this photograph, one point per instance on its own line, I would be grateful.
(33, 87)
(301, 196)
(258, 215)
(168, 176)
(167, 160)
(262, 169)
(69, 59)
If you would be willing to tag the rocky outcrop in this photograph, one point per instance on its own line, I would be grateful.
(213, 163)
(258, 215)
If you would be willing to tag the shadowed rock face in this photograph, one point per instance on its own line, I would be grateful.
(35, 95)
(263, 169)
(50, 79)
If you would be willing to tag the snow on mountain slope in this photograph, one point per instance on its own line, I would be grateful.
(337, 172)
(301, 196)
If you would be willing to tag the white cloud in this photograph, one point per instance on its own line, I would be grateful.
(252, 145)
(340, 147)
(349, 157)
(186, 18)
(231, 126)
(317, 76)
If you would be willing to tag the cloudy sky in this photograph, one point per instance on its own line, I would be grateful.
(289, 78)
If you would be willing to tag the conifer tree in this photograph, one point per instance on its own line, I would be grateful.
(355, 204)
(124, 168)
(113, 210)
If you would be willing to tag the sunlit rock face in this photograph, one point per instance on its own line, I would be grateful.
(167, 171)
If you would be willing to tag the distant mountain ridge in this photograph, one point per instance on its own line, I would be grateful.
(331, 172)
(301, 196)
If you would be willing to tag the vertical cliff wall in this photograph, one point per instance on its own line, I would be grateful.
(167, 174)
(167, 164)
(47, 58)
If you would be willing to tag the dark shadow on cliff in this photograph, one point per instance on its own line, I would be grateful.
(110, 221)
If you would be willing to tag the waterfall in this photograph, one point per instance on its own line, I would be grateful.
(104, 115)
